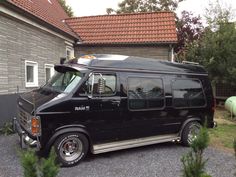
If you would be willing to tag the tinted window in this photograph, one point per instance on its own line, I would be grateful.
(110, 85)
(145, 93)
(188, 93)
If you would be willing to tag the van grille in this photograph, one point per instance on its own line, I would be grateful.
(24, 118)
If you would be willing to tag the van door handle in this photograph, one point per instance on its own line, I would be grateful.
(115, 102)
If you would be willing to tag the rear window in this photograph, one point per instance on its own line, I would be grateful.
(145, 93)
(188, 93)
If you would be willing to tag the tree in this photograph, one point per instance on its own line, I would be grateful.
(216, 14)
(193, 162)
(66, 8)
(189, 29)
(216, 48)
(134, 6)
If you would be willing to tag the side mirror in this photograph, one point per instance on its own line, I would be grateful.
(101, 85)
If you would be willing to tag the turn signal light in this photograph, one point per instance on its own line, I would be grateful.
(35, 126)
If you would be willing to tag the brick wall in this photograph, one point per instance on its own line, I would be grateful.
(158, 52)
(19, 42)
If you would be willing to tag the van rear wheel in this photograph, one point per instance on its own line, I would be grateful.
(71, 148)
(190, 132)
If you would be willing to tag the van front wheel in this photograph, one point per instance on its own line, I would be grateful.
(190, 132)
(71, 148)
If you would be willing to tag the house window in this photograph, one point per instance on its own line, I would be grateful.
(145, 93)
(31, 74)
(49, 71)
(69, 52)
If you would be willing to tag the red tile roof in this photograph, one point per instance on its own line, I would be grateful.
(49, 11)
(156, 27)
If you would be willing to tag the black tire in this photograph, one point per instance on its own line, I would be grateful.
(71, 148)
(191, 129)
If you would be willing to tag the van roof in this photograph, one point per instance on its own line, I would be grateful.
(130, 63)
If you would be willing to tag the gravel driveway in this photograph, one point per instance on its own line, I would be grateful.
(162, 160)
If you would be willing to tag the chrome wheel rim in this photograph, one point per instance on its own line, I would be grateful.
(71, 149)
(193, 133)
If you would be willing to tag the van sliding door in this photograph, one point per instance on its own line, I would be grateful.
(146, 102)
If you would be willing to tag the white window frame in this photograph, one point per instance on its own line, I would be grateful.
(52, 71)
(72, 53)
(35, 73)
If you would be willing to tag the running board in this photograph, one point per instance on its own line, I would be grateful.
(107, 147)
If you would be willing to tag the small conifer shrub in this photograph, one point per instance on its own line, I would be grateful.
(7, 129)
(35, 167)
(193, 162)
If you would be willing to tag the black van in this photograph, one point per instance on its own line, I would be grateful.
(103, 103)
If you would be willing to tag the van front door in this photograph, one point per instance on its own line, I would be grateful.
(100, 95)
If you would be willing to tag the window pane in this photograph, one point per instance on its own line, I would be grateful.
(30, 73)
(137, 104)
(68, 54)
(136, 90)
(188, 93)
(179, 98)
(157, 103)
(64, 82)
(48, 74)
(145, 93)
(110, 85)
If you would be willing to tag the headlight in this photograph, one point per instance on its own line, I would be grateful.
(36, 126)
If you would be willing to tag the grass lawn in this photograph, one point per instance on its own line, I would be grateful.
(223, 135)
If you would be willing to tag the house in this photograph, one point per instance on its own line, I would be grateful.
(35, 34)
(143, 34)
(33, 37)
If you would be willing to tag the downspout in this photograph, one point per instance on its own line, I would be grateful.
(172, 57)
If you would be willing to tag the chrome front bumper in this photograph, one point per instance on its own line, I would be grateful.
(25, 140)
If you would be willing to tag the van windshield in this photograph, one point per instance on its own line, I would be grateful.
(64, 82)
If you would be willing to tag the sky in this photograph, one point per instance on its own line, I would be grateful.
(98, 7)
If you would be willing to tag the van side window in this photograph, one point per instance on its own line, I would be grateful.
(145, 93)
(188, 93)
(110, 85)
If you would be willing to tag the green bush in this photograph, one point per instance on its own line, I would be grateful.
(7, 129)
(193, 162)
(35, 167)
